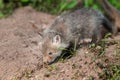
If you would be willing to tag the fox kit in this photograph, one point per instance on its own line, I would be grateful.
(113, 13)
(82, 25)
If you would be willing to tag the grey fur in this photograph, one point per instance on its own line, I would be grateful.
(75, 26)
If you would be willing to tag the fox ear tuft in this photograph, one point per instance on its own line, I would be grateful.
(57, 39)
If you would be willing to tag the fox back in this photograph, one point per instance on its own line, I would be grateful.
(79, 26)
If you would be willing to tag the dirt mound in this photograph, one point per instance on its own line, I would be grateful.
(19, 50)
(21, 58)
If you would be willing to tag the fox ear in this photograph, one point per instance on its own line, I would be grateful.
(57, 39)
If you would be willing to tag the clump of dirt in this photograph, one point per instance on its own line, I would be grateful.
(21, 58)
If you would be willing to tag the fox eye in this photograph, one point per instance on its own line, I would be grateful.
(50, 53)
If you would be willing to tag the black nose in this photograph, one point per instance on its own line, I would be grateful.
(46, 63)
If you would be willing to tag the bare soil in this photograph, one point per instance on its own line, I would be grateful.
(21, 58)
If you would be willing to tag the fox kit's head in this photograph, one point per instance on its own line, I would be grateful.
(51, 49)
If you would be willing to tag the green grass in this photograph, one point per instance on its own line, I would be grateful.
(111, 72)
(68, 53)
(95, 5)
(49, 6)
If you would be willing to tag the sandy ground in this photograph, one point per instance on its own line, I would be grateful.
(21, 58)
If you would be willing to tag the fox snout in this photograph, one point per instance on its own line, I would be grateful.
(46, 60)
